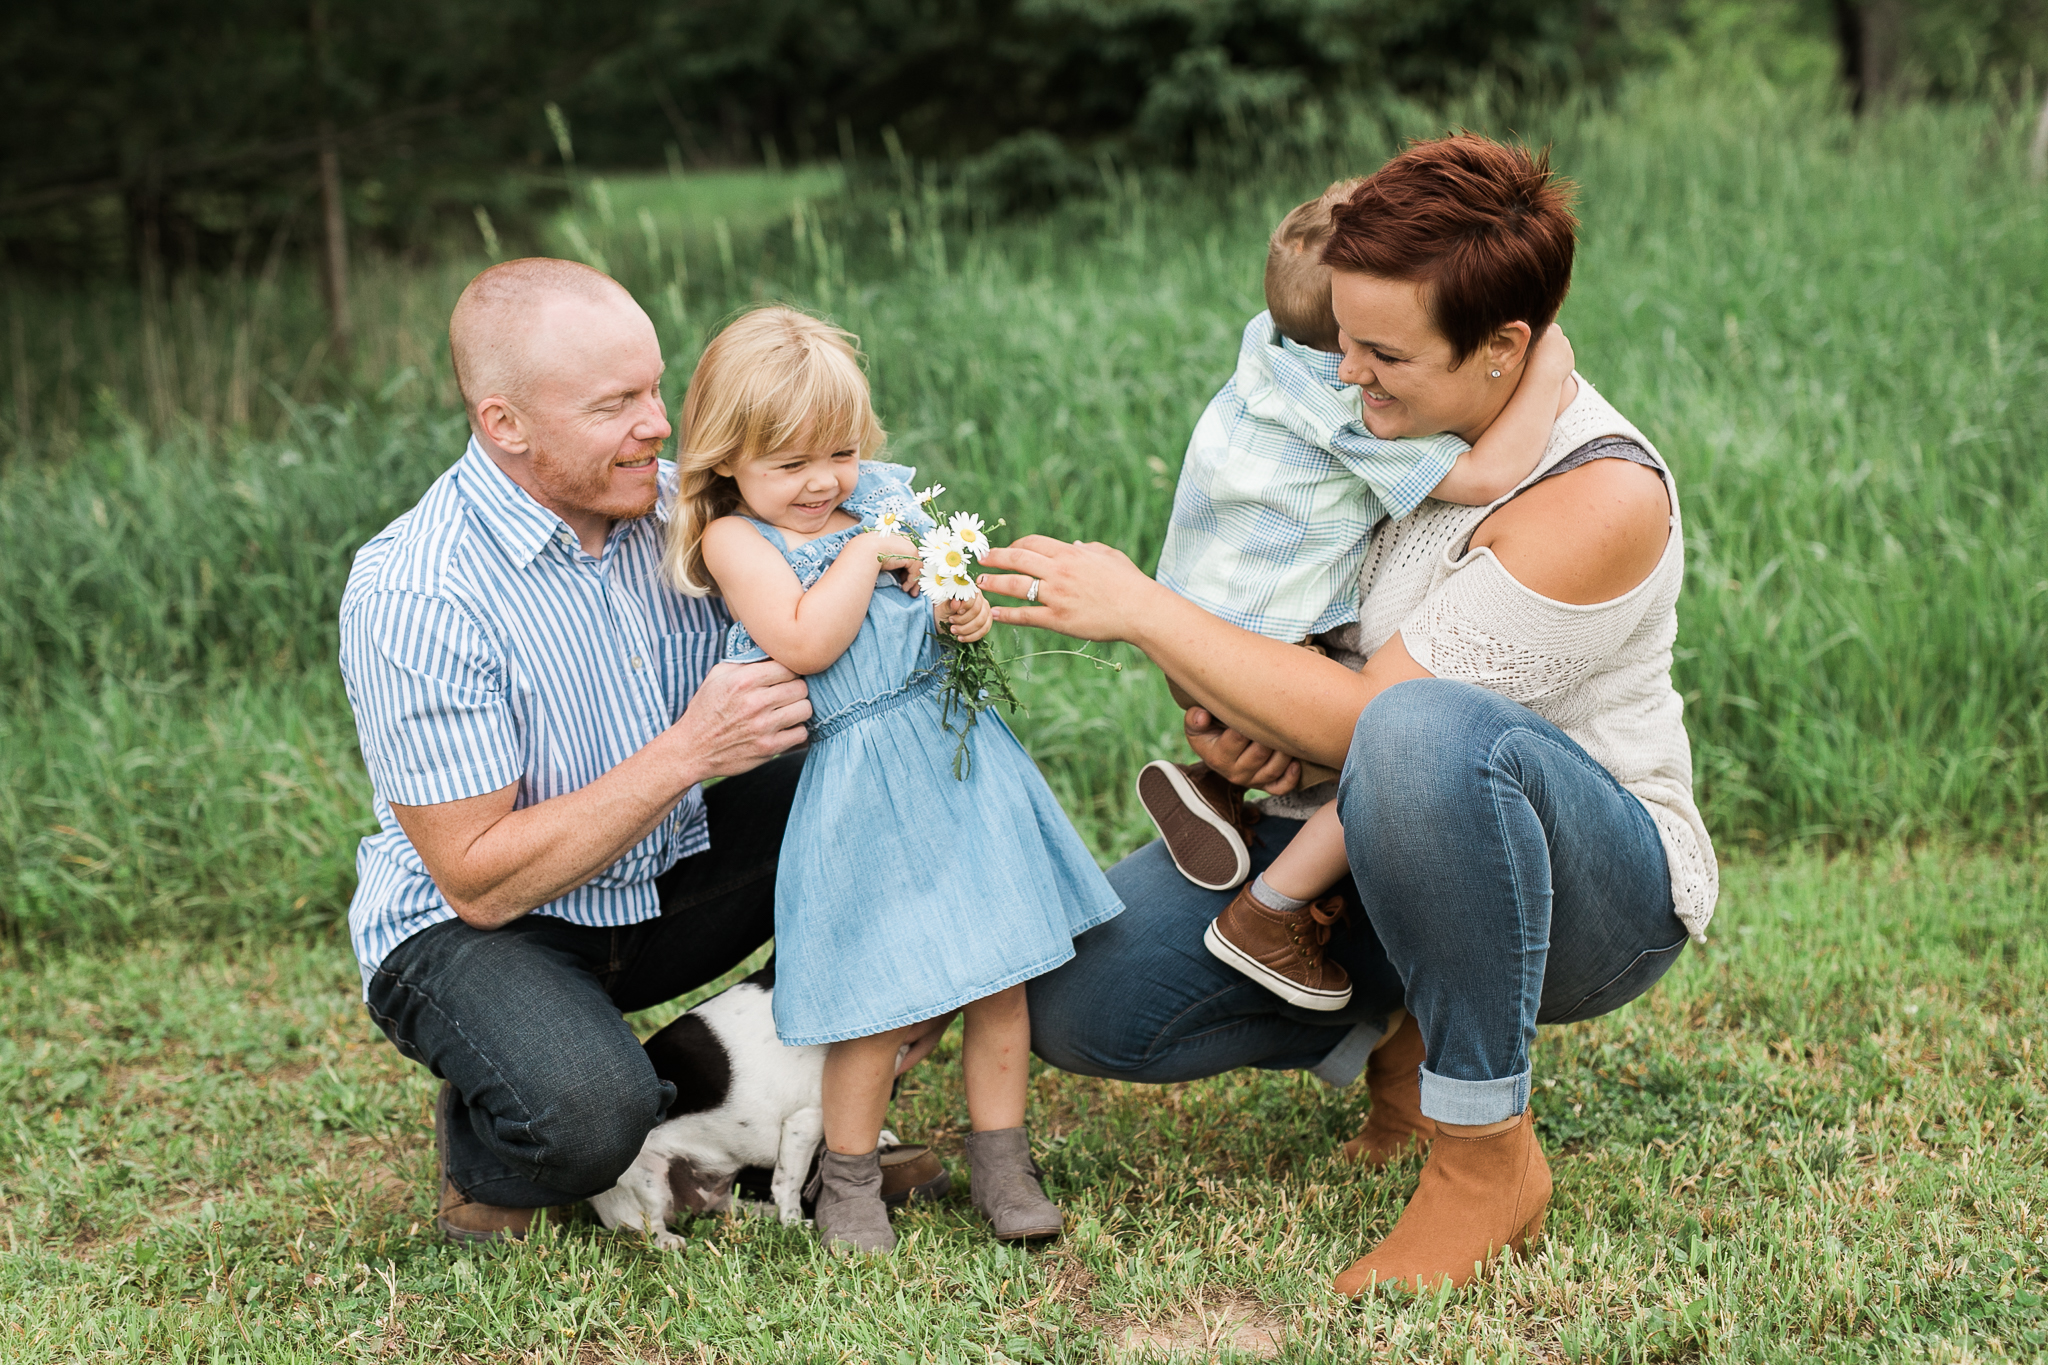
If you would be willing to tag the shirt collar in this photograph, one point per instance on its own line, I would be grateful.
(1321, 364)
(518, 523)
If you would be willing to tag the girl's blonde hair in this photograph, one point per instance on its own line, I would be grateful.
(772, 379)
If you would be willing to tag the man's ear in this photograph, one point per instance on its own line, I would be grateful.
(1507, 347)
(498, 422)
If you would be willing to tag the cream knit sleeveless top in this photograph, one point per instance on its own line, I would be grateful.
(1601, 673)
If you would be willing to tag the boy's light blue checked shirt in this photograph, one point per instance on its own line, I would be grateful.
(482, 647)
(1282, 488)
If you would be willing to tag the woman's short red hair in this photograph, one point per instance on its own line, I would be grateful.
(1486, 229)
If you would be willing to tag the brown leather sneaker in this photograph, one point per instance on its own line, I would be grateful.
(1283, 952)
(462, 1219)
(1203, 819)
(1396, 1125)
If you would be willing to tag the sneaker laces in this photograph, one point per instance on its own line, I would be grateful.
(1312, 931)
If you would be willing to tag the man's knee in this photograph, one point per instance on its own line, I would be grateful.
(586, 1130)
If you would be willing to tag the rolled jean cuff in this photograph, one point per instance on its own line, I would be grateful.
(1345, 1062)
(1474, 1102)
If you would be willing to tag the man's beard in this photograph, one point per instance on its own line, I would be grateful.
(589, 489)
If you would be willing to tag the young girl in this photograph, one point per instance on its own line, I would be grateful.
(903, 892)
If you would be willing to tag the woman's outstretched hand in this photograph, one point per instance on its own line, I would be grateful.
(1087, 590)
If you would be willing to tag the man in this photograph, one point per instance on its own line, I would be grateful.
(538, 711)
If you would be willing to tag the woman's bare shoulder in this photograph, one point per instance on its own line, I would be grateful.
(1587, 536)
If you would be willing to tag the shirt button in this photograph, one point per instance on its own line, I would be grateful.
(636, 661)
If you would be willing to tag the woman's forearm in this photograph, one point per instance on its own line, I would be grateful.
(1281, 695)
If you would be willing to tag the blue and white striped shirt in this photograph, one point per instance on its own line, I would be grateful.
(1282, 488)
(481, 647)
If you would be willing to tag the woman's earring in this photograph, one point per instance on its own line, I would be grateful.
(1496, 374)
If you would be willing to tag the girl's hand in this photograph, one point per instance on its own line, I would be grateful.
(968, 621)
(896, 555)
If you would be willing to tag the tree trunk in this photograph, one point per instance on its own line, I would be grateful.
(334, 247)
(1869, 34)
(2037, 155)
(333, 213)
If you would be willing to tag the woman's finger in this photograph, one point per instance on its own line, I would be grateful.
(1041, 617)
(1034, 555)
(1006, 584)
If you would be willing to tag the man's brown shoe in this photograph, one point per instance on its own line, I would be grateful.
(1283, 950)
(1202, 818)
(1396, 1126)
(912, 1175)
(460, 1218)
(1478, 1198)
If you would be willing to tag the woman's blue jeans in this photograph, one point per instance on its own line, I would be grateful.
(1506, 880)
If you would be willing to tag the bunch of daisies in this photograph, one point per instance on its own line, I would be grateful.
(971, 677)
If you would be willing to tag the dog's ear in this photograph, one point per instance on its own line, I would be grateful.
(688, 1055)
(696, 1189)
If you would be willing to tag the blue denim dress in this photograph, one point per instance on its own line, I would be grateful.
(904, 892)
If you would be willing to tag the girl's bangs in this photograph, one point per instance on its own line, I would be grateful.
(826, 407)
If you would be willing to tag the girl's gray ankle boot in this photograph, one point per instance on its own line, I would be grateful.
(850, 1214)
(1006, 1186)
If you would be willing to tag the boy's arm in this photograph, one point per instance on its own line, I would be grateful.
(804, 631)
(1510, 448)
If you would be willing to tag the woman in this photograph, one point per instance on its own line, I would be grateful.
(1517, 785)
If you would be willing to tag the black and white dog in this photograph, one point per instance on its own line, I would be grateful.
(742, 1099)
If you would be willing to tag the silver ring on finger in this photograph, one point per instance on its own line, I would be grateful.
(1031, 593)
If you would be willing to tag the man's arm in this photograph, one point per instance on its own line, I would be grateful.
(494, 863)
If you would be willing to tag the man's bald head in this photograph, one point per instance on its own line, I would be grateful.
(498, 333)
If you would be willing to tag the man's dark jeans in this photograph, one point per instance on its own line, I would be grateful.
(553, 1092)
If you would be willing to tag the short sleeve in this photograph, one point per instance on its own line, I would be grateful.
(1481, 625)
(432, 703)
(1402, 473)
(1277, 386)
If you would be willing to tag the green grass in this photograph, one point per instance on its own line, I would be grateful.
(1820, 1138)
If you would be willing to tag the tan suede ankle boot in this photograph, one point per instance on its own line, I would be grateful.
(1479, 1197)
(1396, 1126)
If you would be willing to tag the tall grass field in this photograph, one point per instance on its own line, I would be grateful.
(1822, 1136)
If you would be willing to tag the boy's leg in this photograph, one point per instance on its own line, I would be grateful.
(1313, 861)
(1276, 928)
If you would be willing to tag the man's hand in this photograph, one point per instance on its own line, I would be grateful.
(742, 716)
(494, 862)
(1237, 759)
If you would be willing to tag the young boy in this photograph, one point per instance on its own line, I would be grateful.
(1278, 498)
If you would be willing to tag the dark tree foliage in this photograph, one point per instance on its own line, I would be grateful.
(185, 131)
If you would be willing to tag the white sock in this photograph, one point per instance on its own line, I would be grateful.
(1278, 902)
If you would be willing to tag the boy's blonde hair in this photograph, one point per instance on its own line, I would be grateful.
(772, 379)
(1297, 281)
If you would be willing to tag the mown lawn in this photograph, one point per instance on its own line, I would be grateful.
(1821, 1137)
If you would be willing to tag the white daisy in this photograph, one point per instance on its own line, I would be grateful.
(943, 553)
(965, 527)
(889, 522)
(935, 491)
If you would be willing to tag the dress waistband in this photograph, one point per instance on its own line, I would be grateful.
(920, 685)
